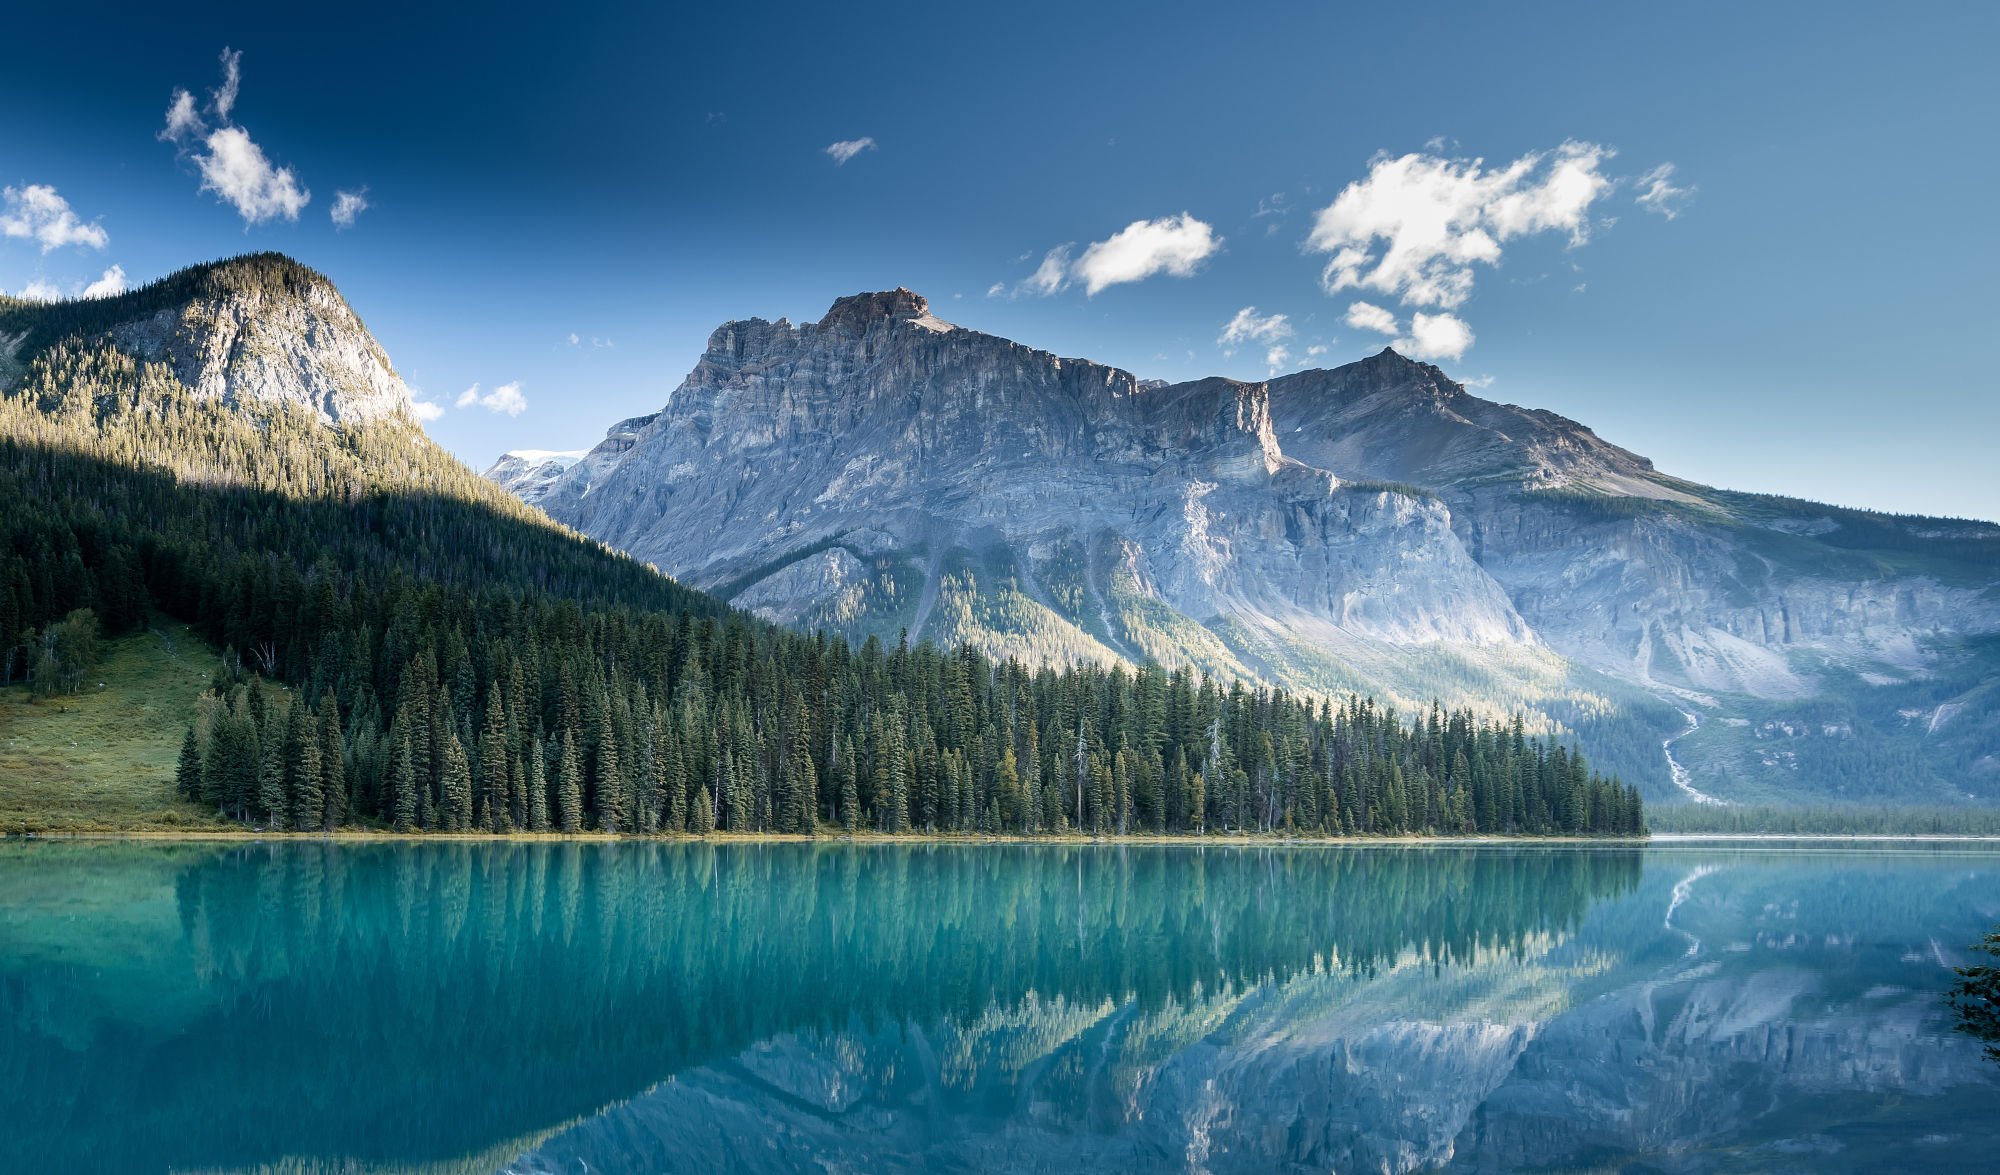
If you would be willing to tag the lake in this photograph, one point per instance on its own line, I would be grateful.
(550, 1007)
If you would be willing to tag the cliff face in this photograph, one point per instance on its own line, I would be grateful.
(258, 328)
(1374, 527)
(1050, 503)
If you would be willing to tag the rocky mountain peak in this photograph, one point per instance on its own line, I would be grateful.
(860, 310)
(257, 328)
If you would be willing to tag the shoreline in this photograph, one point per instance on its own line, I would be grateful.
(374, 836)
(873, 838)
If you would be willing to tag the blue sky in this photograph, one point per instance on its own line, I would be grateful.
(1815, 317)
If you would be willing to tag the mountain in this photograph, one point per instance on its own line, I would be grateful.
(528, 473)
(224, 467)
(258, 330)
(1371, 528)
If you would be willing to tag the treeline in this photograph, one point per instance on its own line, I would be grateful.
(648, 723)
(455, 662)
(1824, 820)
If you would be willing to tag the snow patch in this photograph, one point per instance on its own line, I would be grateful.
(563, 457)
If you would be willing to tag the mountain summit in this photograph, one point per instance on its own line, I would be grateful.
(1375, 527)
(256, 328)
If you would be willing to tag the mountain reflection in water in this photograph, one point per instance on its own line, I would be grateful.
(538, 1007)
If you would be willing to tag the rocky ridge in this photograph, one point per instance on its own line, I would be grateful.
(1372, 527)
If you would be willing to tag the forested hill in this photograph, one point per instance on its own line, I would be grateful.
(410, 648)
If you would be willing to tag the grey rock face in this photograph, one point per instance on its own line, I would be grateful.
(1373, 527)
(1001, 468)
(307, 349)
(259, 329)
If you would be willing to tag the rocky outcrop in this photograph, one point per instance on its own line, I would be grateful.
(304, 347)
(261, 328)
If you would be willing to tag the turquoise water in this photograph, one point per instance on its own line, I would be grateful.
(688, 1007)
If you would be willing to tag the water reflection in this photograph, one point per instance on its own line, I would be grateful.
(700, 1007)
(1975, 998)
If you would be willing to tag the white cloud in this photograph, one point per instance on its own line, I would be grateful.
(996, 289)
(37, 212)
(573, 339)
(232, 81)
(425, 410)
(506, 398)
(1174, 245)
(236, 169)
(1436, 336)
(41, 289)
(847, 149)
(1417, 225)
(1368, 316)
(347, 206)
(110, 284)
(1278, 358)
(1248, 326)
(1315, 351)
(1483, 382)
(1658, 193)
(233, 166)
(1051, 276)
(183, 120)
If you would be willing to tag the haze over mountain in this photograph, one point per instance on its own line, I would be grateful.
(1371, 528)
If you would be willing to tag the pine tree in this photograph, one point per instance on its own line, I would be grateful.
(403, 787)
(187, 774)
(673, 779)
(455, 785)
(537, 801)
(569, 788)
(272, 800)
(307, 772)
(612, 811)
(850, 790)
(332, 764)
(703, 821)
(493, 767)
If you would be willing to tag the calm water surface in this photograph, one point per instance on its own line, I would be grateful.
(637, 1007)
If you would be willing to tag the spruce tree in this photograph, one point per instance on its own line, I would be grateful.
(455, 785)
(702, 823)
(187, 773)
(403, 787)
(307, 774)
(569, 787)
(612, 811)
(493, 766)
(332, 764)
(272, 800)
(850, 790)
(537, 801)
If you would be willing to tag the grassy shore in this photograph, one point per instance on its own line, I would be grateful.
(103, 760)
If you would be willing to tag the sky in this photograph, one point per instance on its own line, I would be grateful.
(1752, 242)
